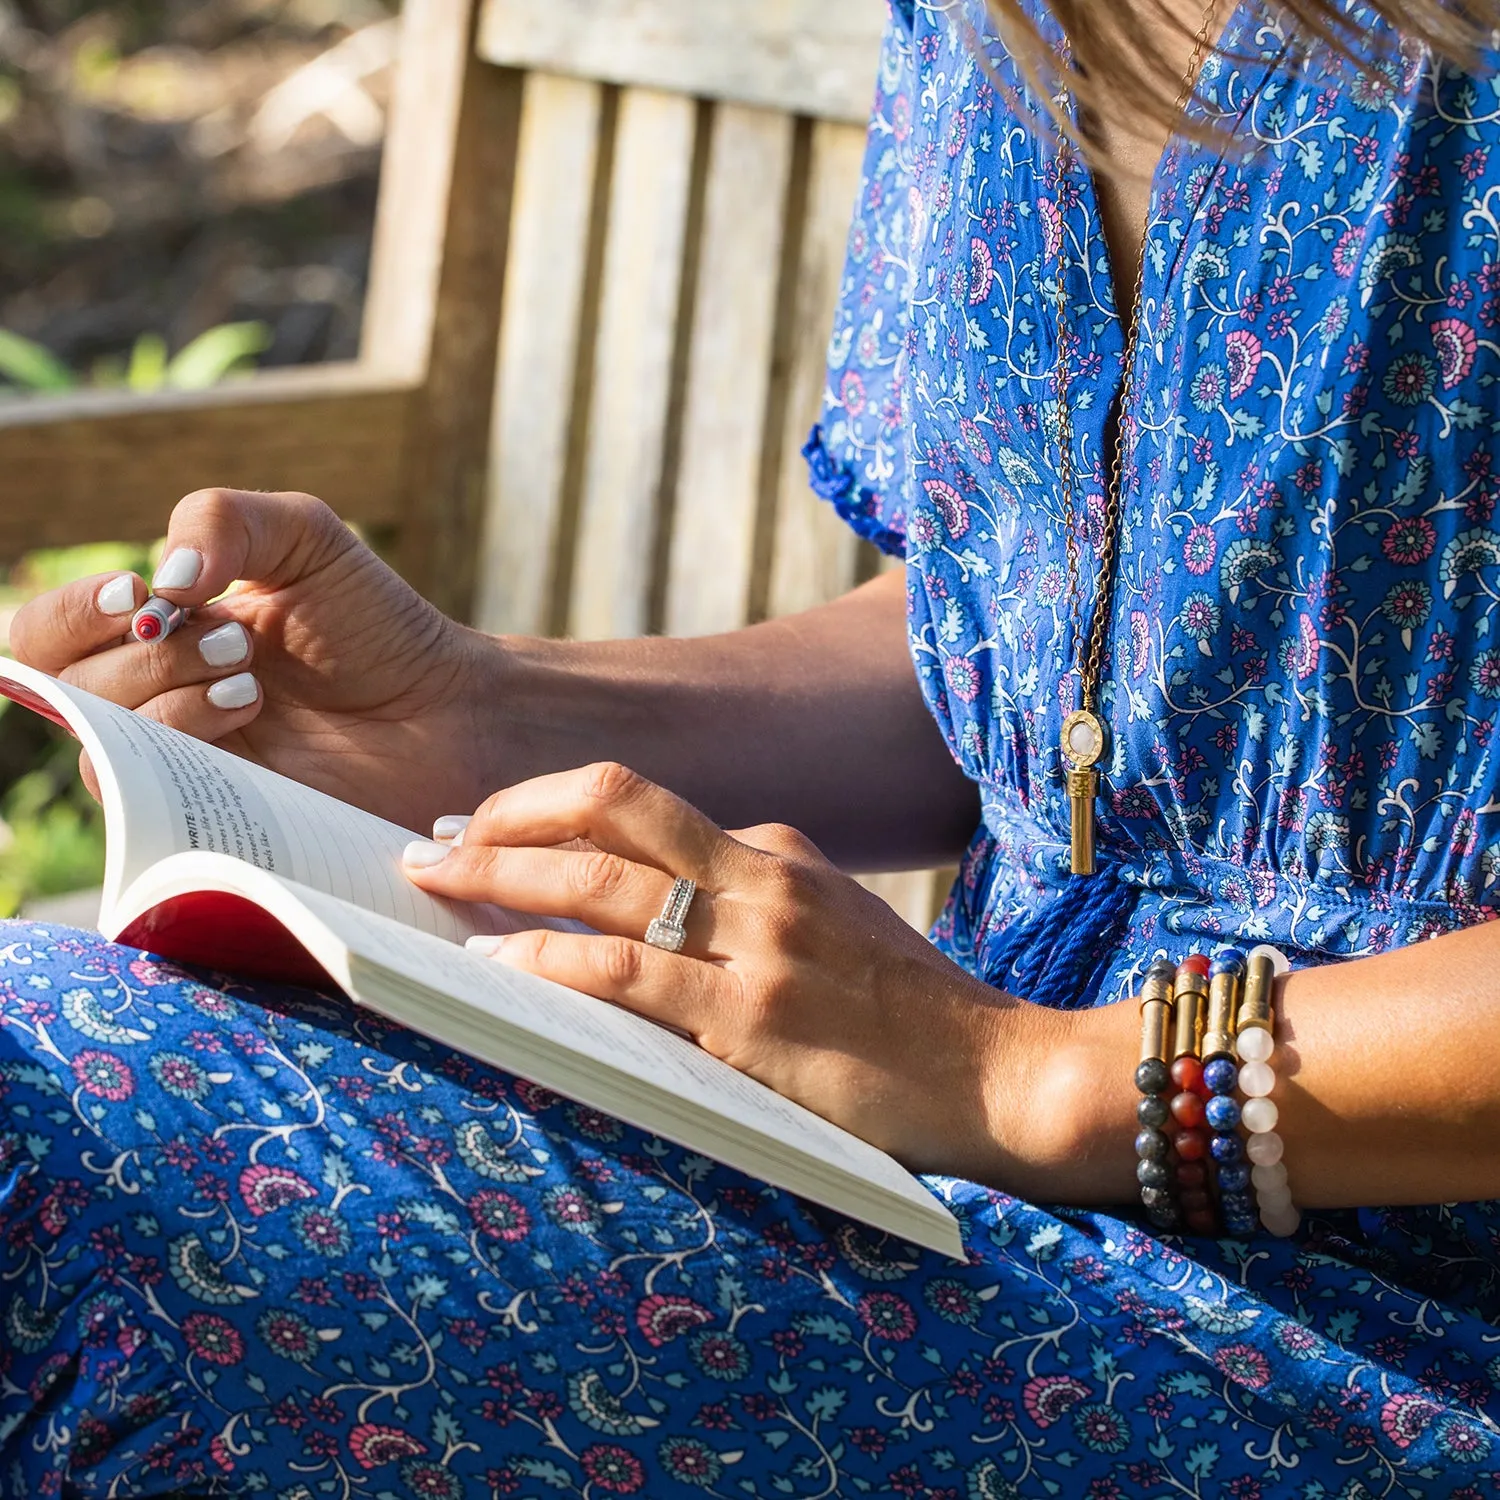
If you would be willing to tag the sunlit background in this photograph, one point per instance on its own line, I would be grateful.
(187, 190)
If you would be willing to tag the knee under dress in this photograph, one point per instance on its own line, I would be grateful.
(255, 1241)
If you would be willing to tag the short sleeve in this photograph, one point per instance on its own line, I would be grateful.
(856, 455)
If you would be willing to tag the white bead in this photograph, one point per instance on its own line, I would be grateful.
(1257, 1079)
(1259, 1115)
(1273, 1200)
(1282, 1222)
(1255, 1044)
(1265, 1148)
(1268, 1175)
(1279, 961)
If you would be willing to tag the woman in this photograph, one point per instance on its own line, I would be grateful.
(250, 1242)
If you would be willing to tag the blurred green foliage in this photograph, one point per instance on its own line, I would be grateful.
(55, 833)
(51, 829)
(229, 349)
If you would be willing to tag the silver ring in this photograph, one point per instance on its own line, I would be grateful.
(666, 931)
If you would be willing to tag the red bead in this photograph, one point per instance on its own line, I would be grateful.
(1187, 1073)
(1191, 1174)
(1193, 1200)
(1201, 1222)
(1192, 1145)
(1187, 1109)
(1197, 963)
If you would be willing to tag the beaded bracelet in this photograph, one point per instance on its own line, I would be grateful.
(1152, 1080)
(1255, 1043)
(1191, 1143)
(1220, 1075)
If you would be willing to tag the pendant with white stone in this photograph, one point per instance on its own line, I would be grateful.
(1083, 743)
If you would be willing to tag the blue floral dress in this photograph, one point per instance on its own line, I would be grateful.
(254, 1241)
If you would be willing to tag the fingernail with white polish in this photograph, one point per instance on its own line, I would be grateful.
(421, 855)
(487, 945)
(239, 691)
(225, 646)
(450, 830)
(179, 569)
(117, 597)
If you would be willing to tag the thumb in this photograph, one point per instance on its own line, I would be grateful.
(216, 537)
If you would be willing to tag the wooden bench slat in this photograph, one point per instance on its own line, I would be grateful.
(110, 466)
(625, 475)
(416, 180)
(807, 57)
(445, 462)
(540, 329)
(816, 556)
(729, 372)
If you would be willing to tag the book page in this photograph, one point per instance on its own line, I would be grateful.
(166, 793)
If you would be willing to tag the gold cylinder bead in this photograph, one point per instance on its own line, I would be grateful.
(1156, 1024)
(1223, 995)
(1157, 984)
(1188, 1031)
(1255, 1008)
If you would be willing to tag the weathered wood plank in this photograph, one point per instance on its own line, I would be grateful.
(447, 458)
(808, 57)
(816, 555)
(642, 296)
(729, 372)
(109, 466)
(416, 178)
(540, 326)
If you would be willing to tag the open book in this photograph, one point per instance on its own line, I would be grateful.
(215, 861)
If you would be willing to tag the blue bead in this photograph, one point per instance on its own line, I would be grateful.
(1227, 961)
(1234, 1177)
(1226, 1147)
(1241, 1228)
(1223, 1113)
(1221, 1075)
(1237, 1203)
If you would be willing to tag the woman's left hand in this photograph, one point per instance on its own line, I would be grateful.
(791, 971)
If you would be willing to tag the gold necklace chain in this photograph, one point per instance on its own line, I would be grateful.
(1083, 735)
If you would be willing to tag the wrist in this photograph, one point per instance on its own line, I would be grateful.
(1064, 1105)
(537, 705)
(496, 676)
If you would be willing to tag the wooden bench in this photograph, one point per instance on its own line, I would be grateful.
(606, 257)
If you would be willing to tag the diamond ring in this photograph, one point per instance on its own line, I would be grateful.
(666, 931)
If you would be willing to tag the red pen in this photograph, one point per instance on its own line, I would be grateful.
(156, 619)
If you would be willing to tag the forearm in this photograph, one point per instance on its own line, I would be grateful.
(814, 720)
(1387, 1083)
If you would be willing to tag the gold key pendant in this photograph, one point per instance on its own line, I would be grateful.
(1083, 742)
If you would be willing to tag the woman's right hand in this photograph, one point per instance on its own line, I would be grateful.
(321, 663)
